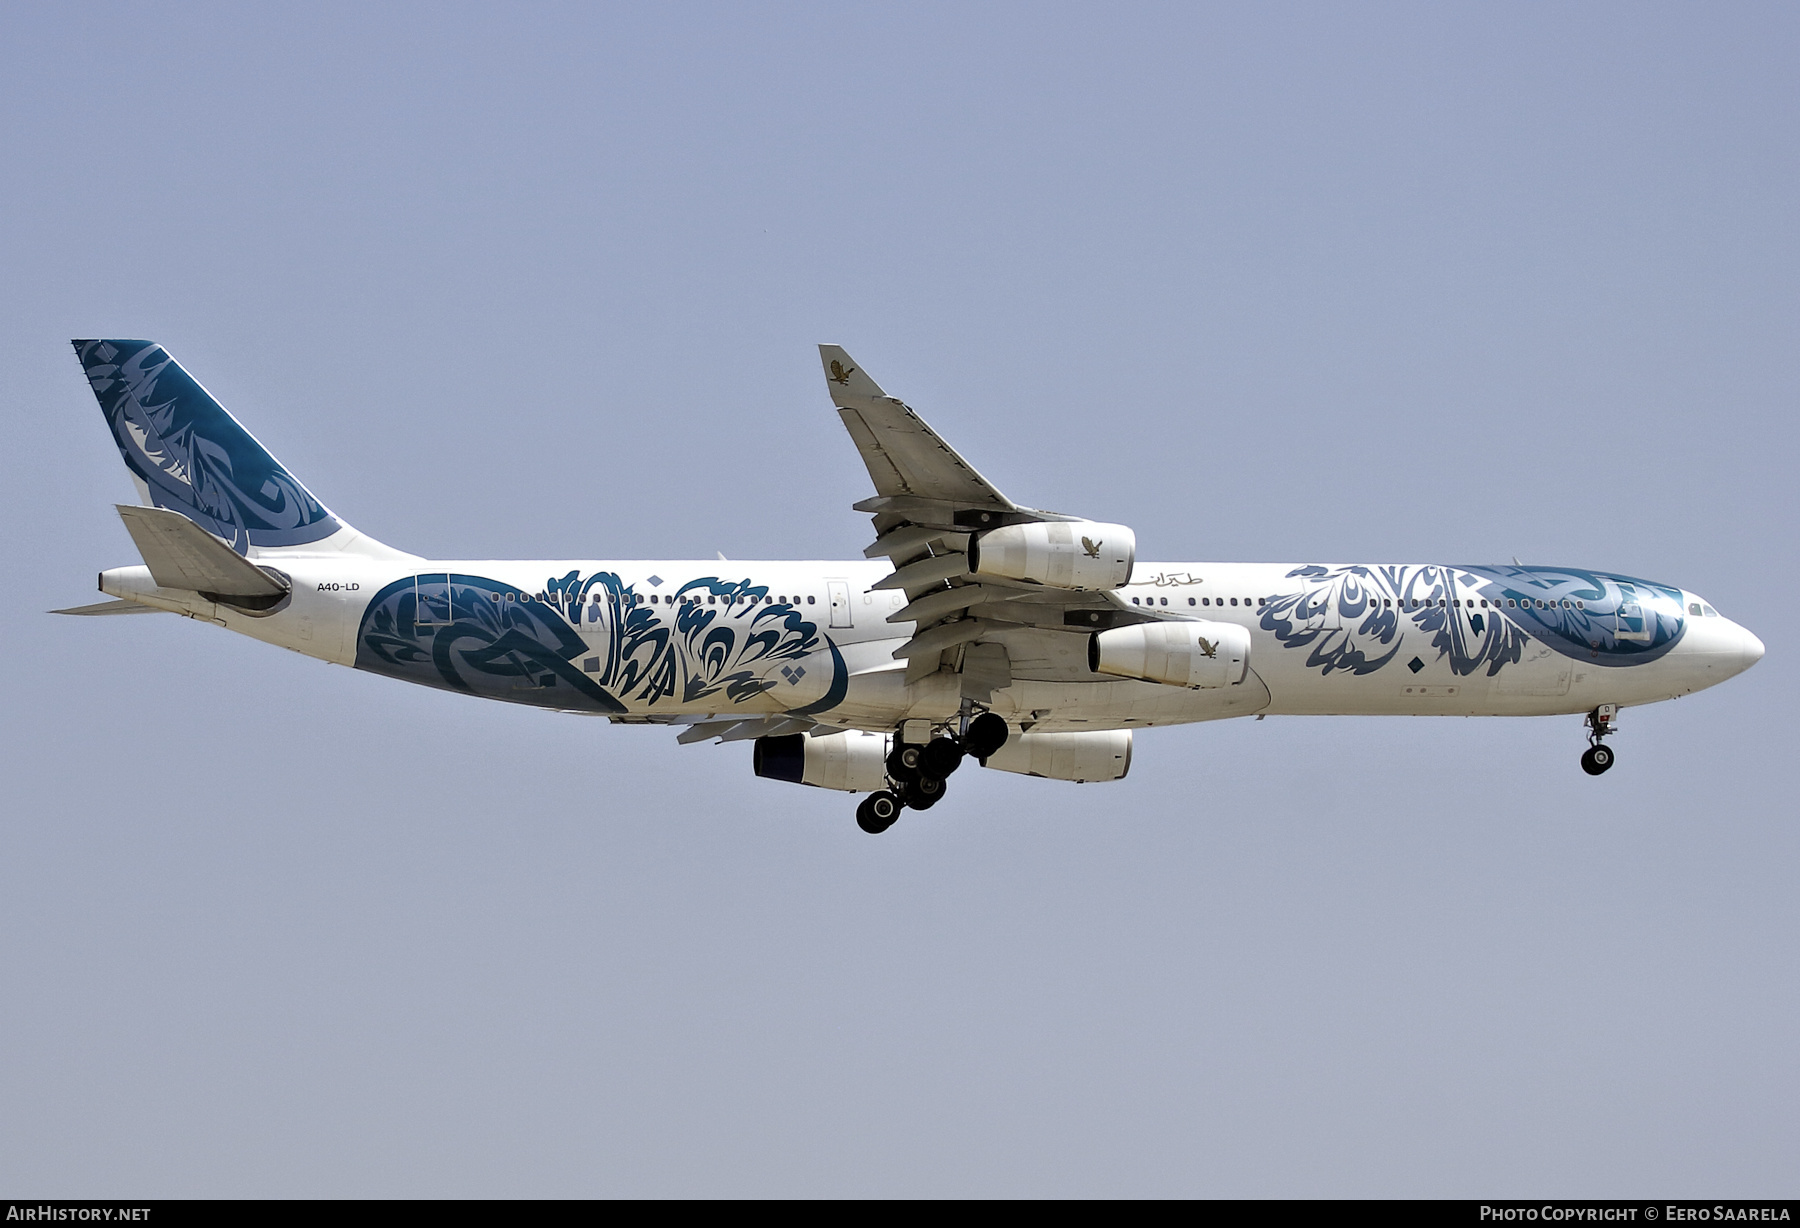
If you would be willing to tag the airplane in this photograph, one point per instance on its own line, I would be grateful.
(972, 627)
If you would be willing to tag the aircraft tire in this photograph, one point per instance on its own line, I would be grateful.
(942, 756)
(987, 733)
(877, 812)
(924, 793)
(903, 763)
(1596, 759)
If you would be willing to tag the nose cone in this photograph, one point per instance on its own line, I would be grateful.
(1752, 649)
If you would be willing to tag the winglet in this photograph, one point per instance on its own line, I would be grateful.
(848, 383)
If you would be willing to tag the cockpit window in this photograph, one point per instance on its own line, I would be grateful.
(1694, 607)
(1710, 612)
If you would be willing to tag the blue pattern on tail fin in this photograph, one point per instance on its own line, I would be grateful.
(194, 456)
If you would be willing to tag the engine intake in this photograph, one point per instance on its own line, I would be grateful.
(1083, 555)
(1190, 654)
(854, 762)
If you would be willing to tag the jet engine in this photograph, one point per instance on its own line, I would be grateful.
(1084, 756)
(1083, 554)
(855, 762)
(1190, 654)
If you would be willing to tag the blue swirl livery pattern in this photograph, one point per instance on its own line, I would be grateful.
(590, 643)
(1360, 619)
(192, 456)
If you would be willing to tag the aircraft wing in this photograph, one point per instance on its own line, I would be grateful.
(929, 501)
(906, 459)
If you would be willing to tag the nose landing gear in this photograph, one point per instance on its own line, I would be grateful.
(1601, 722)
(916, 773)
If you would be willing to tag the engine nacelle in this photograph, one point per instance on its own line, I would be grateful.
(855, 762)
(1081, 757)
(1082, 555)
(1190, 654)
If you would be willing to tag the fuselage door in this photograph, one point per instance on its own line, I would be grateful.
(838, 593)
(1322, 609)
(1632, 621)
(431, 600)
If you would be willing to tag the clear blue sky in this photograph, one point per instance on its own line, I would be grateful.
(1297, 282)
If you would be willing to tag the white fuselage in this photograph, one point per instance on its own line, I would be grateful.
(675, 640)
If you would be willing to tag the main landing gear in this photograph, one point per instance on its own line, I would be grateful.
(916, 773)
(1600, 722)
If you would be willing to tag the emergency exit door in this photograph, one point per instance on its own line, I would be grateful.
(838, 593)
(432, 605)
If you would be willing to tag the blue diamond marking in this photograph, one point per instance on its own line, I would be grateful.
(1415, 665)
(793, 673)
(655, 581)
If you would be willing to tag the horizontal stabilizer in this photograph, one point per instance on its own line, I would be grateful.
(110, 607)
(182, 555)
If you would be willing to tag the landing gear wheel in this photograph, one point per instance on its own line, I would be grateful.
(877, 812)
(1596, 759)
(987, 733)
(903, 761)
(942, 756)
(923, 793)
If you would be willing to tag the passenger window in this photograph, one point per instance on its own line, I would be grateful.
(1206, 601)
(810, 600)
(1190, 601)
(1234, 601)
(1165, 601)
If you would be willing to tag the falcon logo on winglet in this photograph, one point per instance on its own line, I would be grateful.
(840, 374)
(1089, 546)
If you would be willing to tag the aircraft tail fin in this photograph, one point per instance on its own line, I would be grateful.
(188, 455)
